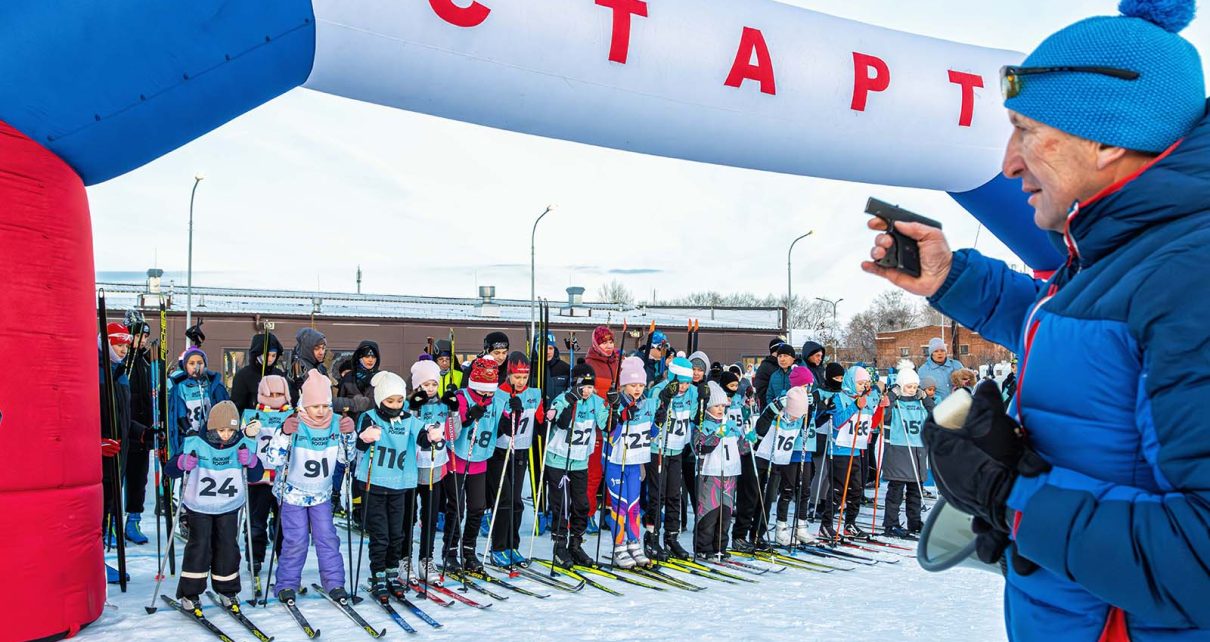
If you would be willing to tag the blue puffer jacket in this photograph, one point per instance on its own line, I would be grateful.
(1113, 383)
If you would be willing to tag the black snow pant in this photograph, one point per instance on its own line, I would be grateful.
(666, 491)
(430, 501)
(467, 493)
(388, 520)
(851, 494)
(565, 497)
(689, 482)
(750, 516)
(212, 551)
(895, 491)
(790, 484)
(138, 461)
(261, 503)
(510, 483)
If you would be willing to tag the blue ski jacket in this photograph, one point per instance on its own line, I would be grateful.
(1112, 386)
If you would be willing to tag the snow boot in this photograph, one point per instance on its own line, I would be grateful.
(783, 533)
(674, 548)
(501, 559)
(485, 524)
(378, 587)
(518, 559)
(742, 545)
(133, 533)
(112, 577)
(855, 531)
(803, 535)
(651, 547)
(636, 553)
(622, 558)
(577, 553)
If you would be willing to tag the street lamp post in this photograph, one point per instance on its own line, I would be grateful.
(789, 279)
(532, 290)
(197, 178)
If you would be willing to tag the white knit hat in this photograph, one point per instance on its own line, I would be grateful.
(717, 396)
(632, 371)
(423, 371)
(907, 378)
(387, 384)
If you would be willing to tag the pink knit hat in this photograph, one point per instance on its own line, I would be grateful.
(316, 390)
(800, 376)
(797, 402)
(269, 385)
(632, 371)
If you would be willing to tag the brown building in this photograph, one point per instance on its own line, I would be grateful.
(402, 324)
(965, 345)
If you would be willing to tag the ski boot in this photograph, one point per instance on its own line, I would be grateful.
(337, 509)
(856, 532)
(287, 596)
(396, 586)
(450, 563)
(501, 559)
(622, 558)
(485, 524)
(440, 522)
(133, 533)
(339, 595)
(428, 571)
(783, 535)
(470, 562)
(543, 523)
(592, 528)
(761, 543)
(742, 545)
(110, 539)
(651, 547)
(578, 555)
(803, 535)
(561, 555)
(378, 587)
(636, 553)
(518, 559)
(674, 548)
(827, 533)
(192, 603)
(705, 557)
(112, 577)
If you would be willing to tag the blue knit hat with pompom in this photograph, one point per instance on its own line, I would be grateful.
(1147, 114)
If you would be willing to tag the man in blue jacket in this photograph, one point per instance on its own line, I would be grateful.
(1103, 514)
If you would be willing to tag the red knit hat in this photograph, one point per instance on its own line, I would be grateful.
(118, 334)
(485, 375)
(601, 335)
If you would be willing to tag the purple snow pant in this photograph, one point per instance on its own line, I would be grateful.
(297, 523)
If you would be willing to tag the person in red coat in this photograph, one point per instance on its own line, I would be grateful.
(603, 359)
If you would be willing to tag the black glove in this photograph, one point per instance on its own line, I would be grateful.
(450, 399)
(668, 393)
(613, 398)
(505, 427)
(564, 419)
(661, 415)
(514, 405)
(990, 545)
(977, 465)
(475, 412)
(417, 399)
(571, 397)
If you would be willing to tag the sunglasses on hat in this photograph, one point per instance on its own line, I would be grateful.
(1012, 77)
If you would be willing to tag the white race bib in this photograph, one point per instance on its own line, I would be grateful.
(724, 460)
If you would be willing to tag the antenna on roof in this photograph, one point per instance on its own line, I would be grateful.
(359, 279)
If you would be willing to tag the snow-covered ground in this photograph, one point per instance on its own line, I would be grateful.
(889, 601)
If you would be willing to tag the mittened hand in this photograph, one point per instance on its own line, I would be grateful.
(417, 399)
(346, 425)
(613, 398)
(571, 397)
(861, 401)
(290, 425)
(371, 434)
(564, 419)
(186, 462)
(475, 412)
(110, 447)
(515, 406)
(668, 393)
(450, 399)
(247, 457)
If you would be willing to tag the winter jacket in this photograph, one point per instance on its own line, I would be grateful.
(1114, 372)
(355, 385)
(142, 393)
(604, 369)
(809, 348)
(243, 386)
(189, 404)
(903, 457)
(779, 383)
(941, 373)
(558, 377)
(761, 379)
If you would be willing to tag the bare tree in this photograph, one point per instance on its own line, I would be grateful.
(615, 292)
(890, 310)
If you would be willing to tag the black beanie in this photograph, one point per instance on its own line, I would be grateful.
(833, 370)
(583, 375)
(727, 379)
(776, 341)
(786, 349)
(495, 341)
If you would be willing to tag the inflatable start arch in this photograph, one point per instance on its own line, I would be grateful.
(96, 88)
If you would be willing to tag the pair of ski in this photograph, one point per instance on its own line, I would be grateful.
(342, 605)
(430, 590)
(790, 561)
(410, 606)
(546, 580)
(464, 576)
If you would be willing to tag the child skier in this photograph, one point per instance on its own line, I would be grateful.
(216, 460)
(718, 446)
(823, 399)
(782, 428)
(903, 459)
(627, 449)
(271, 411)
(519, 408)
(579, 414)
(306, 450)
(748, 533)
(664, 474)
(195, 390)
(431, 458)
(474, 443)
(851, 422)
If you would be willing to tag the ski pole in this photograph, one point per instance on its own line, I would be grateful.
(247, 523)
(500, 488)
(365, 515)
(119, 461)
(877, 481)
(277, 536)
(347, 488)
(151, 607)
(616, 385)
(798, 483)
(840, 513)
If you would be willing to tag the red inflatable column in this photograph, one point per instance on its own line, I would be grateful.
(53, 581)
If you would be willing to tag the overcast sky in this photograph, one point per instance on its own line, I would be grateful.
(302, 190)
